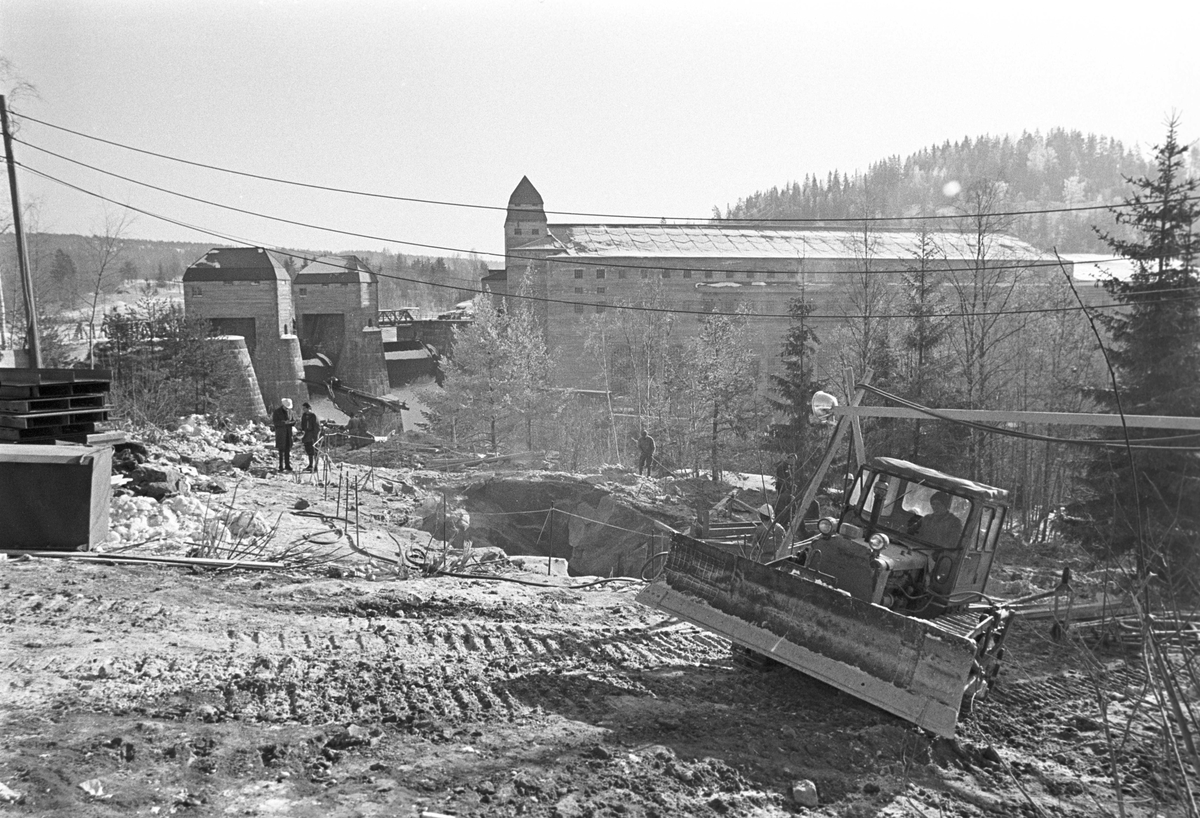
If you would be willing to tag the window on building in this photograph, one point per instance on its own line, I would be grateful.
(600, 307)
(578, 308)
(600, 273)
(196, 291)
(579, 289)
(303, 292)
(645, 273)
(579, 273)
(534, 232)
(516, 231)
(708, 273)
(749, 274)
(600, 290)
(622, 273)
(687, 273)
(666, 273)
(729, 274)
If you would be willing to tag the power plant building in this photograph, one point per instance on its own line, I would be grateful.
(581, 271)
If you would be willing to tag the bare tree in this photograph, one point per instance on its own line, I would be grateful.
(105, 250)
(865, 338)
(646, 335)
(985, 287)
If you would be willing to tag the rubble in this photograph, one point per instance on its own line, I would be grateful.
(172, 522)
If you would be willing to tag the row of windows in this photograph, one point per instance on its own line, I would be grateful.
(533, 231)
(685, 306)
(300, 291)
(667, 273)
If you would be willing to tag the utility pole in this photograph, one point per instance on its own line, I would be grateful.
(31, 328)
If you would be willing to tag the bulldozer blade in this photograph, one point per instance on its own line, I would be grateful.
(906, 666)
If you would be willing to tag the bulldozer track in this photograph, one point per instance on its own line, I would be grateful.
(383, 666)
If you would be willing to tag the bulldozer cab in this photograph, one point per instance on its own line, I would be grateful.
(955, 522)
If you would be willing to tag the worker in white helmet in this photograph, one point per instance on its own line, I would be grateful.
(769, 536)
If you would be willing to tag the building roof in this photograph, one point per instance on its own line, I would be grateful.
(715, 240)
(341, 269)
(525, 203)
(236, 264)
(525, 195)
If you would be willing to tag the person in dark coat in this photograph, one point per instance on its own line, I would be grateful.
(310, 431)
(646, 452)
(357, 429)
(283, 420)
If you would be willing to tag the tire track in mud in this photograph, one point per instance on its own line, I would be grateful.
(410, 671)
(1058, 719)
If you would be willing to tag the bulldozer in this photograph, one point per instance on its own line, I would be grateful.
(886, 602)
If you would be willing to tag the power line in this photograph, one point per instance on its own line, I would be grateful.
(605, 305)
(444, 203)
(1142, 443)
(573, 262)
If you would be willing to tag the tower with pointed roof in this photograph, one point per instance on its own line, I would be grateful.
(526, 218)
(527, 241)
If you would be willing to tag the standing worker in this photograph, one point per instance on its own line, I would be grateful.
(283, 420)
(646, 448)
(310, 431)
(356, 428)
(769, 536)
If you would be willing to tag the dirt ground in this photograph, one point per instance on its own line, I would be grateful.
(147, 690)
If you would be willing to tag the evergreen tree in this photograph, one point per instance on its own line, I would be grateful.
(797, 383)
(921, 373)
(1146, 500)
(64, 276)
(715, 380)
(473, 404)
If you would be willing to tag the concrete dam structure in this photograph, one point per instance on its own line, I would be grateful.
(322, 322)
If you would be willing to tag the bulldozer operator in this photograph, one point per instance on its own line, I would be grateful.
(941, 527)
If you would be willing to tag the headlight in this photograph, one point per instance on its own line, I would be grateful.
(878, 541)
(941, 571)
(826, 525)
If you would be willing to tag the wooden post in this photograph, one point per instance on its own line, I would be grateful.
(860, 446)
(814, 484)
(31, 328)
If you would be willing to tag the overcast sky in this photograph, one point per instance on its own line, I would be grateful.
(653, 109)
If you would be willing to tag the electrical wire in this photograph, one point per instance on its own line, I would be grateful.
(572, 302)
(1143, 443)
(990, 266)
(417, 200)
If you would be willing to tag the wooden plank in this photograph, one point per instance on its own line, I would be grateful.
(48, 420)
(99, 556)
(76, 433)
(1045, 418)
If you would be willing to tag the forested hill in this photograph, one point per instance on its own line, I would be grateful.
(64, 266)
(1041, 171)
